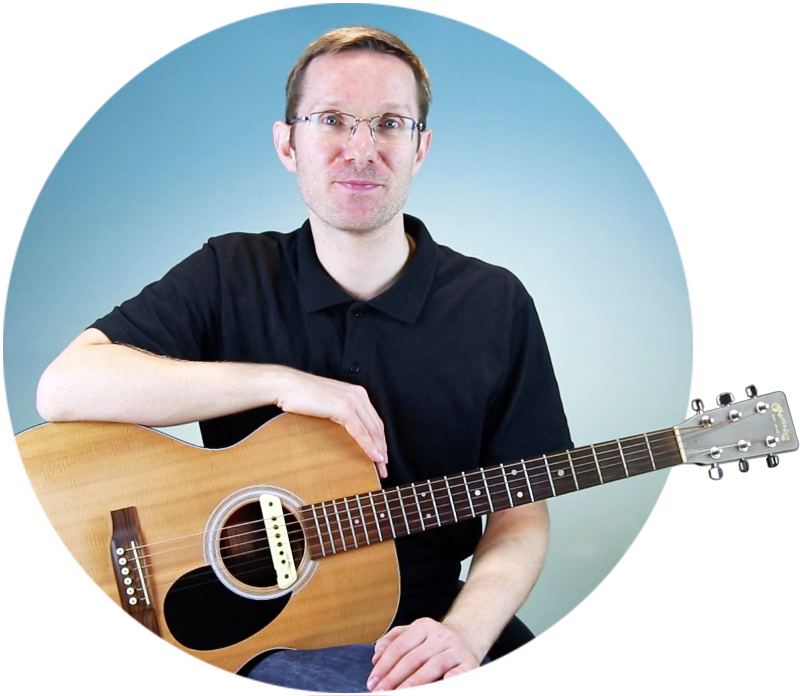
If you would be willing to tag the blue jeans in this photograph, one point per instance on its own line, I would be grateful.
(340, 669)
(345, 668)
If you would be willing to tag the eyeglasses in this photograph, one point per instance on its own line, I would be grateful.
(336, 127)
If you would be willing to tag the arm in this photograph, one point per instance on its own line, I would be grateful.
(506, 564)
(95, 379)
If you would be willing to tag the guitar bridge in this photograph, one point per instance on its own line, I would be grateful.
(127, 557)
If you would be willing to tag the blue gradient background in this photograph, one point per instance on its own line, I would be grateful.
(524, 173)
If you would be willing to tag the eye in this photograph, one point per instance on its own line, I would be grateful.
(331, 119)
(390, 122)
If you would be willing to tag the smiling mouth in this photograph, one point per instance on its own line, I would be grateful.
(358, 186)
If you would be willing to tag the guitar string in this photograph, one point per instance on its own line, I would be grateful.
(388, 505)
(392, 509)
(495, 481)
(393, 506)
(210, 576)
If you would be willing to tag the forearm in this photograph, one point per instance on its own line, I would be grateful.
(504, 569)
(94, 379)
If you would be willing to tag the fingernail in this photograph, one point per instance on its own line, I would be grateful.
(371, 683)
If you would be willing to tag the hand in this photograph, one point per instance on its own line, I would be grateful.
(420, 653)
(345, 404)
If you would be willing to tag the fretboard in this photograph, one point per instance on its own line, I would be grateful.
(346, 523)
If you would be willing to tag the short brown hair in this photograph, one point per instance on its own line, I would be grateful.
(351, 38)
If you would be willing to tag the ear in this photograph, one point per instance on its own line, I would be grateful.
(281, 137)
(425, 138)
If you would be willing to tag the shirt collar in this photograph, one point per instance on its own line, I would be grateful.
(403, 300)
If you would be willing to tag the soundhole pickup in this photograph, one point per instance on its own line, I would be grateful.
(130, 568)
(278, 539)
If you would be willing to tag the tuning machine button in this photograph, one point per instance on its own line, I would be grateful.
(697, 407)
(715, 472)
(725, 399)
(751, 391)
(772, 460)
(744, 466)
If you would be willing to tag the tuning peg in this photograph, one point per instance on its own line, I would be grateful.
(744, 466)
(772, 460)
(725, 399)
(715, 472)
(751, 391)
(697, 405)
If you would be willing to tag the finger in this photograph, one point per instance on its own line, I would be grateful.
(382, 643)
(401, 657)
(359, 433)
(422, 665)
(362, 422)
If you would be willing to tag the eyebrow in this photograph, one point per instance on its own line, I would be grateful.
(333, 105)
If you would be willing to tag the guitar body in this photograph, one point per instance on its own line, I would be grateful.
(188, 504)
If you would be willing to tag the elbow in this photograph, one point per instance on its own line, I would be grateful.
(49, 396)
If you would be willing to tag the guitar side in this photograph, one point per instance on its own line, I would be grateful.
(81, 472)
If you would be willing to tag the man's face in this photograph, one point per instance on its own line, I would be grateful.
(356, 185)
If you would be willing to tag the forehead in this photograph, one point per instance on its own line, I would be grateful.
(356, 80)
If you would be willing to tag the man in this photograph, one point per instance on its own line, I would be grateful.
(433, 362)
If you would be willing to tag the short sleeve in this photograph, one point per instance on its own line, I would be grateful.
(176, 316)
(526, 414)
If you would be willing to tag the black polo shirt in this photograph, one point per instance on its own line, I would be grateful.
(452, 356)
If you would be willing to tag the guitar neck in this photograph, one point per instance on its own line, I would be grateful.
(346, 523)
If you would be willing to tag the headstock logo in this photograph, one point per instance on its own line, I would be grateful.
(781, 422)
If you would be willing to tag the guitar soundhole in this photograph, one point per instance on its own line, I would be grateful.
(244, 548)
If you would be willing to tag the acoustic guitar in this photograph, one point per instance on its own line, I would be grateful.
(285, 539)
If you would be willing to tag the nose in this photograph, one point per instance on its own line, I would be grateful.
(360, 147)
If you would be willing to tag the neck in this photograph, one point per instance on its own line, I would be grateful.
(363, 263)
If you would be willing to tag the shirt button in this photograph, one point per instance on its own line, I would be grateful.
(355, 367)
(358, 312)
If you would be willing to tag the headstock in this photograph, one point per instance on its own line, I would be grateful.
(760, 426)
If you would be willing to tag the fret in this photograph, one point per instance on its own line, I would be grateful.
(622, 456)
(549, 475)
(488, 491)
(375, 515)
(613, 466)
(497, 494)
(478, 498)
(572, 467)
(597, 464)
(636, 455)
(469, 497)
(412, 509)
(419, 507)
(402, 510)
(450, 496)
(370, 519)
(427, 507)
(444, 503)
(328, 528)
(649, 450)
(517, 495)
(505, 481)
(363, 520)
(387, 513)
(560, 478)
(351, 521)
(339, 524)
(346, 519)
(319, 532)
(309, 531)
(527, 478)
(585, 466)
(433, 502)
